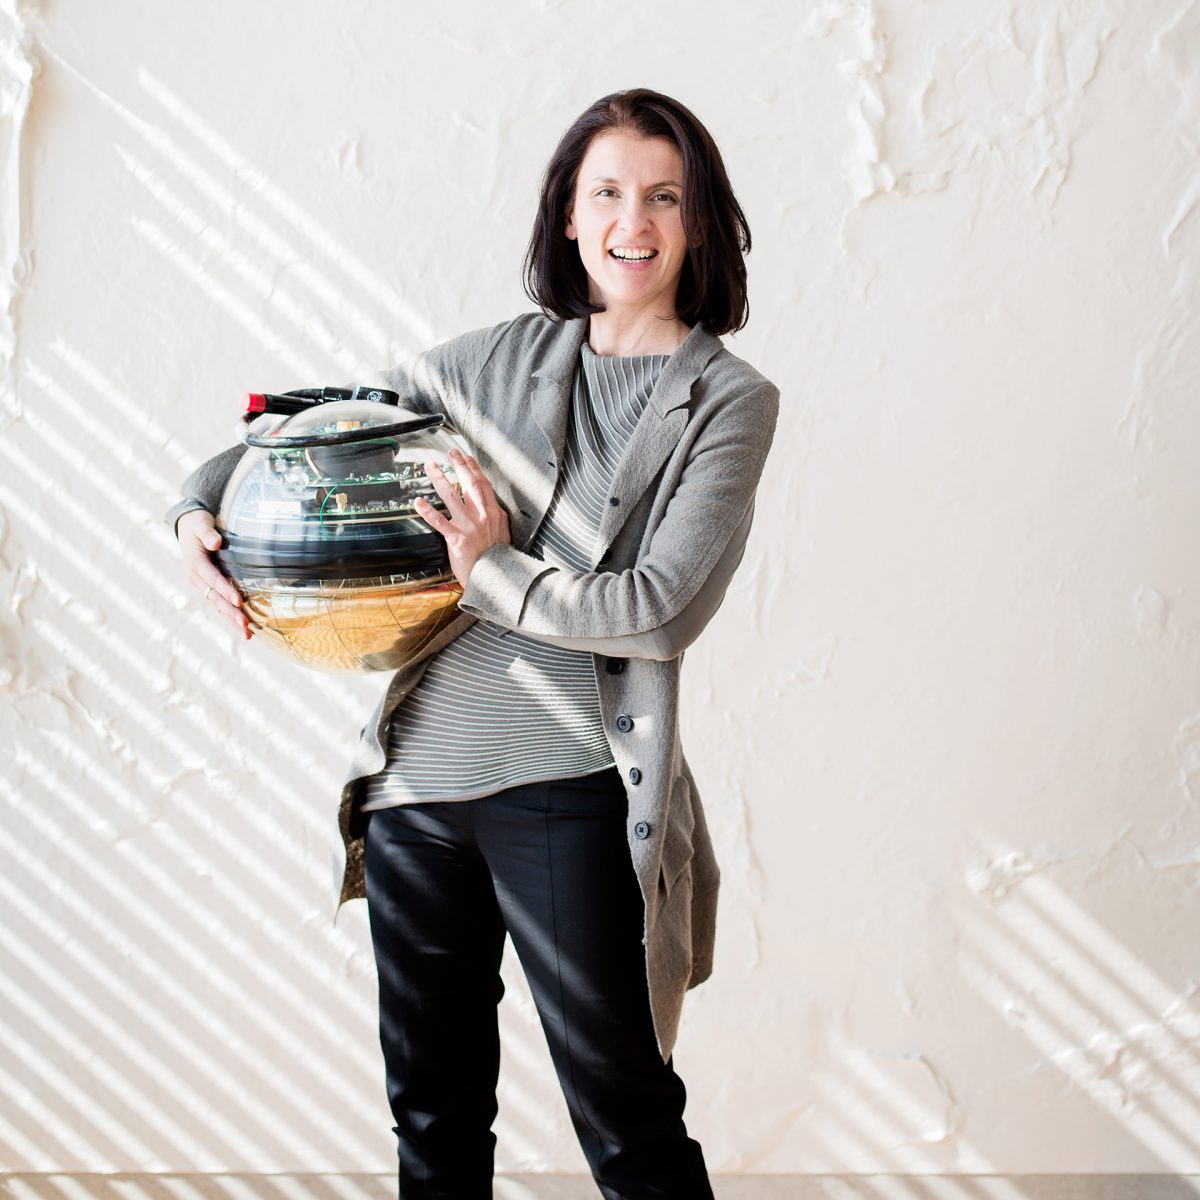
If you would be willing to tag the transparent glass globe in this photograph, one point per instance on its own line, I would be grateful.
(320, 534)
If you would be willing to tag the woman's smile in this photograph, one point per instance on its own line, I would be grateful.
(633, 260)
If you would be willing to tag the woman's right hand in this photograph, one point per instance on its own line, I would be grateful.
(198, 536)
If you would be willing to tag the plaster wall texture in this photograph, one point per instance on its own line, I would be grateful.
(946, 726)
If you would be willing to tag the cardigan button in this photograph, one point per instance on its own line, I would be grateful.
(614, 666)
(624, 722)
(635, 776)
(642, 829)
(614, 500)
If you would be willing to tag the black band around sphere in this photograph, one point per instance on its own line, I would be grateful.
(340, 437)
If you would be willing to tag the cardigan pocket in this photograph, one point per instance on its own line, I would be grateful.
(677, 849)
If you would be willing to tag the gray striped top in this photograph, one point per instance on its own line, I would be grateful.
(496, 708)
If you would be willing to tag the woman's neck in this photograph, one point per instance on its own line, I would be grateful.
(639, 335)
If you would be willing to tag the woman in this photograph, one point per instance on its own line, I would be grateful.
(612, 427)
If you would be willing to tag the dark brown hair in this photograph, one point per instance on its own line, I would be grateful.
(712, 284)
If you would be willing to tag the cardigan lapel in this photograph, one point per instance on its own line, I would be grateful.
(551, 399)
(656, 433)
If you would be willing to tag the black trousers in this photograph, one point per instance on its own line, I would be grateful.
(548, 864)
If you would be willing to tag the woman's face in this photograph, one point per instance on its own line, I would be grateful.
(628, 196)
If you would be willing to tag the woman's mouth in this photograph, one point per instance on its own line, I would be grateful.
(639, 263)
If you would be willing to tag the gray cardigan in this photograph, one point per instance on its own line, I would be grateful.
(681, 506)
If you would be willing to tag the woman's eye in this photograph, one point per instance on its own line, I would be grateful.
(664, 195)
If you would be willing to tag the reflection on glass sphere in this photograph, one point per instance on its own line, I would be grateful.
(320, 535)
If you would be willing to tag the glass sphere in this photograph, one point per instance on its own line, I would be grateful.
(320, 534)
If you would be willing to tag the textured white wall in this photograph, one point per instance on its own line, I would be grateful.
(946, 726)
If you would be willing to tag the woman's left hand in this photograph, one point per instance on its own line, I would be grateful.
(476, 519)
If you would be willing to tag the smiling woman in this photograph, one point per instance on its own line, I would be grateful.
(523, 776)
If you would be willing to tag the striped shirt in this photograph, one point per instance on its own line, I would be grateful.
(496, 708)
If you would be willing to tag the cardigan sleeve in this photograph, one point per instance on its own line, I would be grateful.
(436, 381)
(673, 637)
(709, 506)
(204, 486)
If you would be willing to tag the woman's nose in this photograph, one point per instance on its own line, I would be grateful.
(635, 216)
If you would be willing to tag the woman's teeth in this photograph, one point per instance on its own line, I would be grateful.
(633, 257)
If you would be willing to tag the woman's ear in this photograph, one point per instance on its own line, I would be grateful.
(570, 230)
